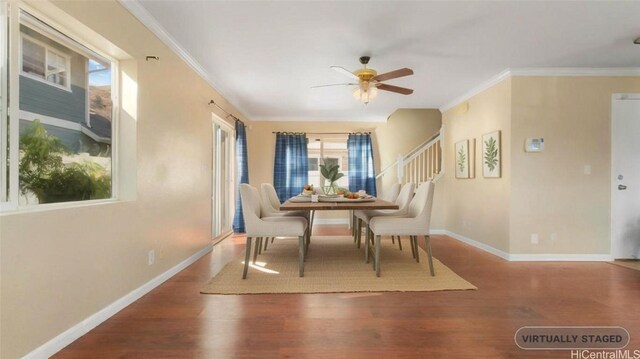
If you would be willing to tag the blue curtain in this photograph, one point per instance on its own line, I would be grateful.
(291, 166)
(243, 173)
(361, 170)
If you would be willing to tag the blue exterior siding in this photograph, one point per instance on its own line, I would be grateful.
(44, 99)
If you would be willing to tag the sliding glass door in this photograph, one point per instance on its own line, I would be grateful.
(222, 176)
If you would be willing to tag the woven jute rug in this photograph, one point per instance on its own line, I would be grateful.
(333, 264)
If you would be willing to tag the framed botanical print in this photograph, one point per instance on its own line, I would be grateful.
(462, 159)
(491, 155)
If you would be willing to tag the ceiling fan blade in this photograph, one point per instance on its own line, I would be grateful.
(347, 84)
(345, 72)
(394, 74)
(402, 90)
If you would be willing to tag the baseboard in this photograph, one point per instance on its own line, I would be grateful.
(485, 247)
(437, 232)
(560, 257)
(530, 257)
(331, 221)
(70, 335)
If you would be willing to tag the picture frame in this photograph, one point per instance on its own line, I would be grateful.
(491, 155)
(461, 155)
(472, 158)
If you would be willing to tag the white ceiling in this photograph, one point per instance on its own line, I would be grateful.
(264, 56)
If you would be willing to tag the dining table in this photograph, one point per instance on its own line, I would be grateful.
(337, 204)
(328, 203)
(334, 203)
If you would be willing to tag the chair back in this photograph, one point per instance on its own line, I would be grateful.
(392, 194)
(250, 206)
(270, 202)
(421, 204)
(404, 197)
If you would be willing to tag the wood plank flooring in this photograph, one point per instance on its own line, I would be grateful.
(176, 321)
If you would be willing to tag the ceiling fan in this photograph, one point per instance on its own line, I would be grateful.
(369, 82)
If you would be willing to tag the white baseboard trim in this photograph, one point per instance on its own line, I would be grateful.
(67, 337)
(560, 257)
(331, 221)
(531, 257)
(485, 247)
(438, 232)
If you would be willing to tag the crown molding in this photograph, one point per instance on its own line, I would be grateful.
(319, 119)
(542, 72)
(476, 90)
(150, 22)
(576, 71)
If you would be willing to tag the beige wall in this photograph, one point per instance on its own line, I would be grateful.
(544, 193)
(550, 194)
(60, 266)
(479, 208)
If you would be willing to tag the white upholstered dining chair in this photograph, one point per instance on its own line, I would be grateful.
(257, 226)
(270, 207)
(402, 200)
(415, 223)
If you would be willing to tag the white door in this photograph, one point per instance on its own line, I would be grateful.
(222, 184)
(625, 171)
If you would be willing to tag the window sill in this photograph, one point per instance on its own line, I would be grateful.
(49, 83)
(57, 206)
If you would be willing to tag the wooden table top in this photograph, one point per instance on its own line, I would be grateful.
(323, 206)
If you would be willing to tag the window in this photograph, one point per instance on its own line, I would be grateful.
(56, 145)
(44, 63)
(328, 151)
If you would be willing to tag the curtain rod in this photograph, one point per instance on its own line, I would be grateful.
(225, 111)
(324, 133)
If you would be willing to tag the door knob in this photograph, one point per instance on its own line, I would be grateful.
(622, 187)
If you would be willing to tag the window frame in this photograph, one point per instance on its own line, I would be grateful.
(322, 154)
(47, 50)
(10, 14)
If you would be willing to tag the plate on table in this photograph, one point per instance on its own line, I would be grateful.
(343, 199)
(300, 198)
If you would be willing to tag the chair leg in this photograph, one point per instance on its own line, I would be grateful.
(266, 241)
(427, 242)
(367, 243)
(272, 239)
(353, 224)
(359, 231)
(393, 239)
(399, 243)
(307, 242)
(377, 259)
(247, 255)
(257, 249)
(413, 249)
(301, 251)
(415, 245)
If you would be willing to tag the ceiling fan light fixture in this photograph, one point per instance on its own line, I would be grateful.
(365, 92)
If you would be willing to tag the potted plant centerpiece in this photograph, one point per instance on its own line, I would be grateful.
(330, 172)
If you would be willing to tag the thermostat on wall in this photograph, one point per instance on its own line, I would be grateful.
(534, 145)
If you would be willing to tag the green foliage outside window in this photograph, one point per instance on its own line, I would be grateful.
(43, 172)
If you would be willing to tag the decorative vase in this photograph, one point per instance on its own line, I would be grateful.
(330, 189)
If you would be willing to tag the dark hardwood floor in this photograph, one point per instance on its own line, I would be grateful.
(176, 321)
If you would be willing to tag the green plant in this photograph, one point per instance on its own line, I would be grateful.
(43, 172)
(491, 153)
(462, 158)
(329, 170)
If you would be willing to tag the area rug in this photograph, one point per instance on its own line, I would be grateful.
(628, 263)
(333, 265)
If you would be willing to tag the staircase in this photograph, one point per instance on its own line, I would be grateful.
(421, 164)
